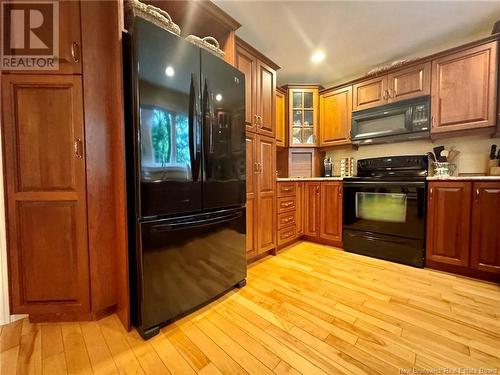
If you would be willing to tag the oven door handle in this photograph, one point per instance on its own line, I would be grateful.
(384, 183)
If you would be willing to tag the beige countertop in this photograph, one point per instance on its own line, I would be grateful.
(463, 178)
(290, 179)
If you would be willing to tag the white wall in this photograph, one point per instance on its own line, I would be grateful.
(473, 158)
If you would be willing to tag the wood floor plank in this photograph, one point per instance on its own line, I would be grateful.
(30, 350)
(123, 356)
(217, 356)
(77, 359)
(312, 309)
(100, 356)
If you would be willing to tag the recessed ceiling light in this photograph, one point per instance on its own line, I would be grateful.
(318, 56)
(218, 97)
(169, 71)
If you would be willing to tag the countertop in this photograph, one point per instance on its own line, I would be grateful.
(463, 178)
(430, 178)
(293, 179)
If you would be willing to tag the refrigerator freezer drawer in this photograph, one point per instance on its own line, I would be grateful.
(187, 262)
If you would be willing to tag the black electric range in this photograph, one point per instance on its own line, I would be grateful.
(385, 209)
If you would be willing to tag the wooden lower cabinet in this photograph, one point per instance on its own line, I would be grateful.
(485, 234)
(314, 211)
(330, 212)
(311, 208)
(43, 134)
(462, 227)
(261, 194)
(448, 222)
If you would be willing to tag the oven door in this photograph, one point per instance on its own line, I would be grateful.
(391, 208)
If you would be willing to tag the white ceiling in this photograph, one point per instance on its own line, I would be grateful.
(356, 35)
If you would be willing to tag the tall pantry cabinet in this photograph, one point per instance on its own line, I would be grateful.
(62, 139)
(260, 118)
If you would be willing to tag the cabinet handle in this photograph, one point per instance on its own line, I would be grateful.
(386, 94)
(256, 167)
(432, 121)
(75, 51)
(286, 189)
(393, 93)
(477, 195)
(340, 192)
(78, 147)
(430, 194)
(286, 204)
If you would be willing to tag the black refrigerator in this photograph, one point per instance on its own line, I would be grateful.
(185, 133)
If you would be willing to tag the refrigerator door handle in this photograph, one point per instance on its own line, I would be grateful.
(196, 223)
(192, 127)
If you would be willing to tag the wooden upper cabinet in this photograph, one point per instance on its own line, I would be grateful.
(280, 118)
(69, 52)
(370, 93)
(335, 117)
(303, 115)
(409, 83)
(246, 63)
(330, 219)
(464, 89)
(485, 236)
(266, 99)
(46, 193)
(260, 89)
(311, 208)
(448, 222)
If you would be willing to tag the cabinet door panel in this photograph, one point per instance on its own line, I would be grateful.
(464, 89)
(247, 64)
(266, 99)
(448, 219)
(265, 221)
(251, 167)
(299, 208)
(369, 93)
(330, 220)
(485, 236)
(266, 227)
(410, 82)
(69, 51)
(335, 117)
(46, 193)
(311, 209)
(280, 119)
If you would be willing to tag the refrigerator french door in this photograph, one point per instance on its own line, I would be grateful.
(168, 122)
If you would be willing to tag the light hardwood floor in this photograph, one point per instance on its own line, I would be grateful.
(310, 310)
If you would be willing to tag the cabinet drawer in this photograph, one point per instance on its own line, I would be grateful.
(286, 189)
(286, 204)
(286, 219)
(286, 235)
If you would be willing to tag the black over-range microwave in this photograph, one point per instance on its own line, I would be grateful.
(395, 122)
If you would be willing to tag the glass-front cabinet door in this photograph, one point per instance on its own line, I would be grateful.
(303, 117)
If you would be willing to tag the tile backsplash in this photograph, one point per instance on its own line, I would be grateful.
(473, 158)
